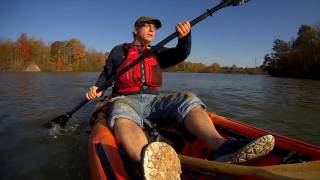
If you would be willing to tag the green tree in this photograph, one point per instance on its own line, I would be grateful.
(299, 58)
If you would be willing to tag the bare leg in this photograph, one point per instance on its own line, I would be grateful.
(199, 124)
(131, 136)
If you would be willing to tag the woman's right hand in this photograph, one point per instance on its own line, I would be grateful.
(92, 93)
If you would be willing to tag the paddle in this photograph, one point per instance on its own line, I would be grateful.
(307, 170)
(63, 119)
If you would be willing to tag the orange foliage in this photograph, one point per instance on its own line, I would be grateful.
(78, 49)
(23, 46)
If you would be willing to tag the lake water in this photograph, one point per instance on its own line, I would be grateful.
(27, 100)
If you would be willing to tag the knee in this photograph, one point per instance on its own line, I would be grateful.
(123, 123)
(197, 108)
(122, 126)
(192, 98)
(189, 94)
(194, 112)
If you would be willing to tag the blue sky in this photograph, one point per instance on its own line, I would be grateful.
(235, 35)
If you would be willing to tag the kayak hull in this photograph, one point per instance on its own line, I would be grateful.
(106, 161)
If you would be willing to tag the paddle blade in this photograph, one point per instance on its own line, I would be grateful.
(59, 120)
(237, 2)
(61, 125)
(304, 170)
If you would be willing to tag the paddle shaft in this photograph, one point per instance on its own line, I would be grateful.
(307, 170)
(157, 47)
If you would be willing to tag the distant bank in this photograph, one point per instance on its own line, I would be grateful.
(182, 67)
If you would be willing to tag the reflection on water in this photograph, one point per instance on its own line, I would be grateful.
(28, 100)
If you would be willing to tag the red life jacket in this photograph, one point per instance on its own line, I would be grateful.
(148, 73)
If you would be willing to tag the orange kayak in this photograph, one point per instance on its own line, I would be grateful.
(107, 162)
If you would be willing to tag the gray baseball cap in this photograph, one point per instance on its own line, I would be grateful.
(144, 19)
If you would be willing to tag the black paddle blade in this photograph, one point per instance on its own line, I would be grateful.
(60, 120)
(237, 2)
(61, 125)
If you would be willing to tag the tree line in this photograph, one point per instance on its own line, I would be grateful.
(70, 55)
(299, 57)
(213, 68)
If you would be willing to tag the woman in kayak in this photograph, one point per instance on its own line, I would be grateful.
(135, 98)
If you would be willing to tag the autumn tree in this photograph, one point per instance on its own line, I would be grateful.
(8, 55)
(56, 55)
(68, 55)
(77, 50)
(39, 53)
(213, 68)
(24, 50)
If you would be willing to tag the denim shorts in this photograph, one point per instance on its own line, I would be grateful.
(163, 108)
